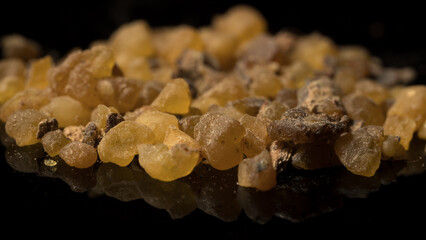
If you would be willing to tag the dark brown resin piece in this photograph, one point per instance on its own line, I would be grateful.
(91, 134)
(300, 126)
(112, 120)
(321, 96)
(46, 126)
(281, 153)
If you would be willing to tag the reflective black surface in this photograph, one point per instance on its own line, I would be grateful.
(40, 200)
(39, 190)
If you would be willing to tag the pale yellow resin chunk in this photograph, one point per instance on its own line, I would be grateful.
(175, 97)
(54, 141)
(166, 164)
(257, 172)
(23, 126)
(67, 111)
(119, 145)
(158, 122)
(79, 155)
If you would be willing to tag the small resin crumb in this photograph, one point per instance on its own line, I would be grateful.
(50, 162)
(75, 133)
(91, 134)
(79, 155)
(45, 126)
(392, 148)
(54, 141)
(112, 120)
(257, 172)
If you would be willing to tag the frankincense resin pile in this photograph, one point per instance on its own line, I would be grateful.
(229, 94)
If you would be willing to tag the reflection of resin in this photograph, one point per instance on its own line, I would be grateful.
(299, 194)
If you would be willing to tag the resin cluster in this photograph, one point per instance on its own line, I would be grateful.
(230, 94)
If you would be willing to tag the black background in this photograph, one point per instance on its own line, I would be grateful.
(392, 32)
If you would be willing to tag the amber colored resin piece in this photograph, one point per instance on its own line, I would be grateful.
(54, 141)
(166, 164)
(37, 75)
(257, 172)
(228, 89)
(372, 90)
(79, 155)
(23, 126)
(221, 45)
(220, 139)
(170, 43)
(175, 97)
(158, 122)
(131, 41)
(231, 23)
(296, 74)
(313, 49)
(99, 115)
(18, 46)
(411, 102)
(392, 148)
(263, 80)
(272, 111)
(187, 124)
(67, 111)
(120, 93)
(12, 67)
(78, 75)
(401, 126)
(175, 136)
(355, 58)
(346, 79)
(422, 131)
(26, 99)
(119, 145)
(362, 108)
(256, 137)
(360, 150)
(9, 86)
(407, 114)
